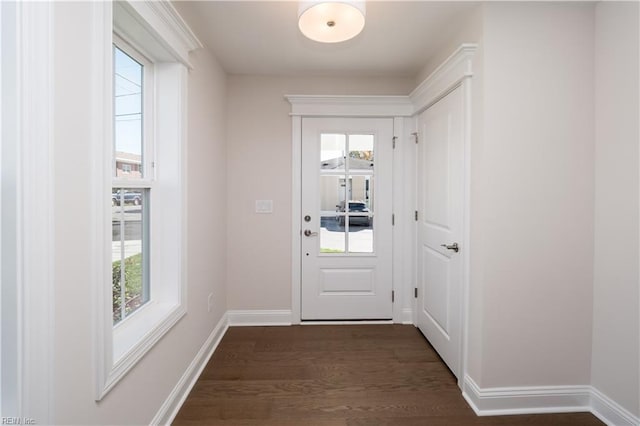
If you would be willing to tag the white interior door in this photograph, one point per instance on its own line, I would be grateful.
(346, 218)
(440, 225)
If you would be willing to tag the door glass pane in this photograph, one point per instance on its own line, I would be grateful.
(130, 277)
(361, 152)
(128, 133)
(360, 191)
(332, 226)
(332, 234)
(360, 235)
(332, 151)
(332, 194)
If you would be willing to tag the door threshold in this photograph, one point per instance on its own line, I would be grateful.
(346, 322)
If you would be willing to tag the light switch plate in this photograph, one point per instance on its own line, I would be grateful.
(264, 206)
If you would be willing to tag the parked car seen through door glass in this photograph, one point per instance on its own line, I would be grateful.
(357, 207)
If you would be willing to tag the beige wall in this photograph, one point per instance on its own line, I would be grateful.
(259, 168)
(616, 322)
(470, 31)
(137, 398)
(532, 197)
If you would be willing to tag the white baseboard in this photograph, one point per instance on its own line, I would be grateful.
(259, 318)
(407, 316)
(176, 398)
(526, 400)
(610, 412)
(547, 399)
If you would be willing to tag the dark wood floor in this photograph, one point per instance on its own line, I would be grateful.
(339, 375)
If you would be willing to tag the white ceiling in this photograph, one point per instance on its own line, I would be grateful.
(262, 37)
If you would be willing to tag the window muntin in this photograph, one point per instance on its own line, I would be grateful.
(130, 204)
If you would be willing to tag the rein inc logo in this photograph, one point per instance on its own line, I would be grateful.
(17, 421)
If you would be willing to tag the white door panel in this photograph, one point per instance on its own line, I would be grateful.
(440, 204)
(436, 298)
(346, 212)
(343, 281)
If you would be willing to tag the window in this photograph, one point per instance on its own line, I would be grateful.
(141, 65)
(133, 141)
(347, 177)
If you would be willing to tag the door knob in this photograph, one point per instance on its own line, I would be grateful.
(453, 247)
(308, 233)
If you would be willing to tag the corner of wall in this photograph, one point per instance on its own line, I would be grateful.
(615, 371)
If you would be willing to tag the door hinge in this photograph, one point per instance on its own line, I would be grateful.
(393, 296)
(415, 135)
(415, 215)
(415, 292)
(393, 219)
(394, 141)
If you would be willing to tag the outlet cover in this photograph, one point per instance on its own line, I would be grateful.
(209, 302)
(264, 206)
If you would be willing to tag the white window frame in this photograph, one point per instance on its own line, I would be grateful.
(158, 33)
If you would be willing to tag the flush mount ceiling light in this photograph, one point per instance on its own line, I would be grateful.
(331, 21)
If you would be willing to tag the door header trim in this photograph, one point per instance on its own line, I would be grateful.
(350, 106)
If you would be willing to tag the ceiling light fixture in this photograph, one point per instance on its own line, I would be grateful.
(331, 21)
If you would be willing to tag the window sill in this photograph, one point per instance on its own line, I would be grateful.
(136, 335)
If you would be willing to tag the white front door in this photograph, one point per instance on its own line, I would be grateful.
(440, 225)
(346, 218)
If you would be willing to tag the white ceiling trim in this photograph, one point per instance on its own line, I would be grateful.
(445, 78)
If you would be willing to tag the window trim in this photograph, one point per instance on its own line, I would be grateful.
(162, 34)
(27, 141)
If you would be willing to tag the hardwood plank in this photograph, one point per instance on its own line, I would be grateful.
(396, 406)
(264, 371)
(347, 375)
(573, 419)
(260, 422)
